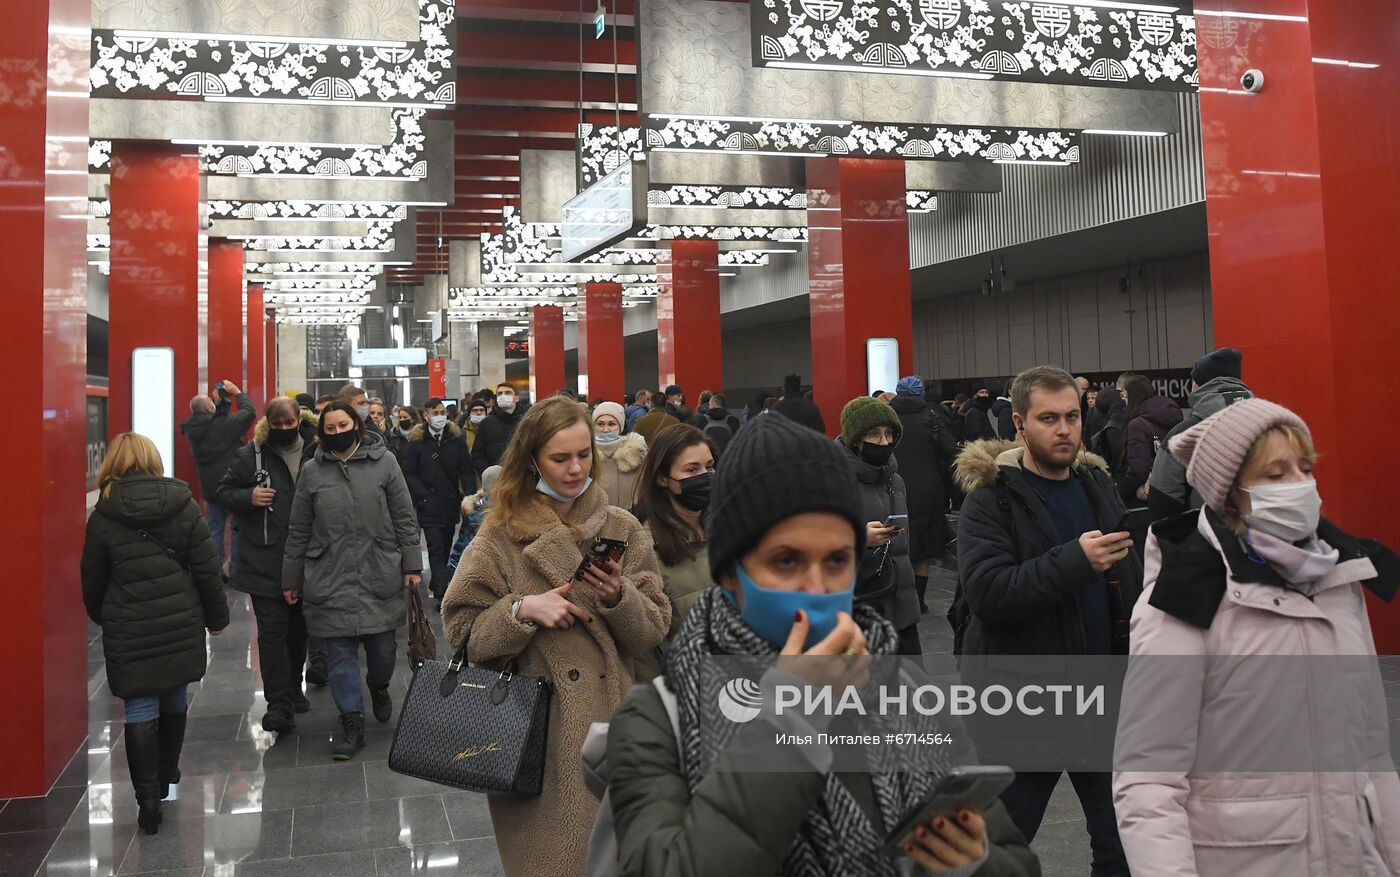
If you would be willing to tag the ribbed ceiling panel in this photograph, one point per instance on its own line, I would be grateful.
(1116, 178)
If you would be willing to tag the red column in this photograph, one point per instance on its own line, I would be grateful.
(858, 265)
(546, 352)
(158, 288)
(690, 351)
(1302, 213)
(270, 353)
(600, 370)
(257, 336)
(226, 361)
(44, 50)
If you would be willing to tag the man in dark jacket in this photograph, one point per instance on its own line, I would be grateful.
(979, 424)
(641, 404)
(438, 469)
(1215, 385)
(925, 460)
(1043, 572)
(495, 431)
(1001, 416)
(215, 431)
(257, 490)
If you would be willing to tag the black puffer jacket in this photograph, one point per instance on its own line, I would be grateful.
(493, 435)
(926, 473)
(213, 439)
(882, 494)
(153, 610)
(261, 531)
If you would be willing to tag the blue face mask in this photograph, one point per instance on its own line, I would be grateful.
(543, 487)
(607, 438)
(770, 613)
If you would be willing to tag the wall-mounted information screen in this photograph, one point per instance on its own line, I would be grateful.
(153, 400)
(610, 210)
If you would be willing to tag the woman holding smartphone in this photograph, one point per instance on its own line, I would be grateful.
(870, 430)
(786, 533)
(515, 591)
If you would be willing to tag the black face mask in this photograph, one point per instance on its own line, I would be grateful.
(695, 491)
(405, 426)
(876, 455)
(341, 441)
(983, 402)
(283, 438)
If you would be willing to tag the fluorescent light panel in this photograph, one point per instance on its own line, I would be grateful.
(1359, 65)
(1117, 133)
(1262, 16)
(694, 118)
(857, 68)
(292, 144)
(258, 38)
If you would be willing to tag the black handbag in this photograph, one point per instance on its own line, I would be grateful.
(472, 728)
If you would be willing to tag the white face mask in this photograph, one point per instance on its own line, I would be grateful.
(477, 418)
(544, 487)
(506, 402)
(437, 421)
(1285, 511)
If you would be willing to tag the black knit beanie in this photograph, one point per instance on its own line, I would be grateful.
(772, 470)
(1227, 362)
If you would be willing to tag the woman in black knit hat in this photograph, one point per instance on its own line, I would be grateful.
(786, 532)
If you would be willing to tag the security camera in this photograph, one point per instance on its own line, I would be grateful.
(1252, 81)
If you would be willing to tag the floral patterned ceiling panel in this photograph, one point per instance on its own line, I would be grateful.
(1149, 47)
(862, 140)
(145, 64)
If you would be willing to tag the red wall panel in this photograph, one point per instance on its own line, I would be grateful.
(600, 358)
(226, 336)
(44, 51)
(858, 269)
(159, 283)
(1303, 199)
(689, 337)
(257, 344)
(546, 352)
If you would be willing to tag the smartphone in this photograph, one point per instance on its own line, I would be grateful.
(973, 785)
(900, 521)
(603, 550)
(1134, 520)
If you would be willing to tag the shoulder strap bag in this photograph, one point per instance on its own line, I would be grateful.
(169, 552)
(472, 728)
(422, 642)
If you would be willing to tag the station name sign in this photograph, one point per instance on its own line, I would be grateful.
(610, 210)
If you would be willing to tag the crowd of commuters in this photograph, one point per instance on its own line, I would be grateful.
(761, 533)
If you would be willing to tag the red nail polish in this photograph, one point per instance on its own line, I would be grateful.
(939, 823)
(965, 816)
(798, 616)
(909, 848)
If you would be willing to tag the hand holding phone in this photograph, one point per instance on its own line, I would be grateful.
(1134, 520)
(966, 788)
(899, 522)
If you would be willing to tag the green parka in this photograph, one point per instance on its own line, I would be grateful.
(352, 537)
(738, 824)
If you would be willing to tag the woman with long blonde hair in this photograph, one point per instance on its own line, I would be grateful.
(515, 592)
(152, 580)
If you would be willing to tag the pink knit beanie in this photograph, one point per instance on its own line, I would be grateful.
(1214, 449)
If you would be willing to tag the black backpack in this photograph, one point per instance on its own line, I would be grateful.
(718, 432)
(958, 613)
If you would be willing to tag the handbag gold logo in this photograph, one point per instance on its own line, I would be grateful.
(474, 751)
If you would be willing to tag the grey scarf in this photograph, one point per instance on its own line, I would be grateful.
(838, 838)
(1300, 566)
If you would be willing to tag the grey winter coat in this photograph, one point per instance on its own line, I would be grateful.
(153, 608)
(352, 537)
(883, 493)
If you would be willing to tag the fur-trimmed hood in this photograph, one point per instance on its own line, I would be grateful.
(419, 433)
(979, 462)
(263, 429)
(627, 452)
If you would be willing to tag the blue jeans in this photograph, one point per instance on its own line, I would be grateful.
(343, 655)
(218, 519)
(150, 706)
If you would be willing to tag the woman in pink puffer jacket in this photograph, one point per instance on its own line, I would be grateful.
(1228, 762)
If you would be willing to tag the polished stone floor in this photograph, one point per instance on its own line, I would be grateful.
(253, 805)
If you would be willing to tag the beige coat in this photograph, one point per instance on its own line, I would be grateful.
(621, 463)
(589, 664)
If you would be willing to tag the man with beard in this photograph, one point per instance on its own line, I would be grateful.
(1044, 573)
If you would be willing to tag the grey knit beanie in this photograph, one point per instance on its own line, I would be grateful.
(1213, 451)
(772, 470)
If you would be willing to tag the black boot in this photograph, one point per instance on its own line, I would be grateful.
(143, 759)
(352, 736)
(381, 702)
(172, 740)
(921, 585)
